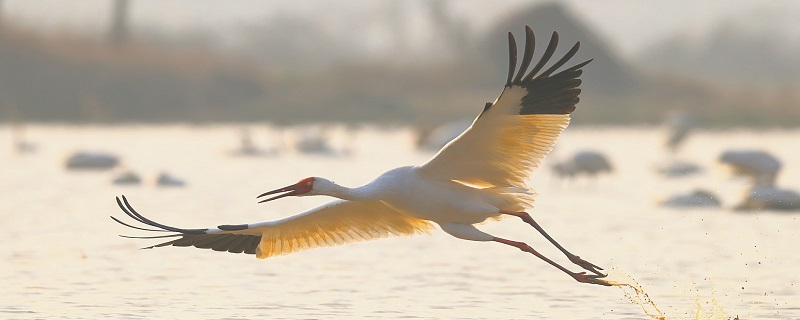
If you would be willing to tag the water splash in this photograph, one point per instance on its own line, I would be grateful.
(636, 294)
(714, 312)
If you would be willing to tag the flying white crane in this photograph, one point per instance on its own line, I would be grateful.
(478, 176)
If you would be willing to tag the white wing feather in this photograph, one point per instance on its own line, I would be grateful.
(334, 223)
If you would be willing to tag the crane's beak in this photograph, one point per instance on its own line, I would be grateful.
(289, 191)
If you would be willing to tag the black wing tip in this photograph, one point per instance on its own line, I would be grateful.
(528, 55)
(512, 58)
(198, 238)
(581, 65)
(233, 227)
(132, 213)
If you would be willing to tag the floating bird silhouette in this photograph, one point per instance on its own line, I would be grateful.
(587, 162)
(698, 198)
(760, 166)
(478, 176)
(762, 197)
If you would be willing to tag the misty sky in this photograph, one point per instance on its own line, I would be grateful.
(630, 25)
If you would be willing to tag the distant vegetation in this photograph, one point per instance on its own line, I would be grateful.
(70, 78)
(73, 79)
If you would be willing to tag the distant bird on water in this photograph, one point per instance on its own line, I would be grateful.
(478, 176)
(769, 198)
(698, 198)
(587, 162)
(760, 166)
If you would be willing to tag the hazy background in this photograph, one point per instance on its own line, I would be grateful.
(729, 63)
(229, 99)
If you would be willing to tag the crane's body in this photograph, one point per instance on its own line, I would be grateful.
(445, 201)
(481, 174)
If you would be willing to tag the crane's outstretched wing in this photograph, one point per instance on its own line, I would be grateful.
(514, 133)
(334, 223)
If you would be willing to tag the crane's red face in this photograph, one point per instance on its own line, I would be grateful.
(297, 189)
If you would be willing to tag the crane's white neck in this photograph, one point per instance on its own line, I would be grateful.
(326, 187)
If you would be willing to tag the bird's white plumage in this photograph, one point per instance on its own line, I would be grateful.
(418, 196)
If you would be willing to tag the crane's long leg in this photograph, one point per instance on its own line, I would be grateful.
(573, 258)
(579, 276)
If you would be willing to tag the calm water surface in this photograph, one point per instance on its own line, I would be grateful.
(62, 257)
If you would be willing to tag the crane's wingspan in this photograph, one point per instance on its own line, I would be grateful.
(514, 133)
(336, 222)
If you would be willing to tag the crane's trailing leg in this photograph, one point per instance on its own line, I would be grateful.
(573, 258)
(579, 276)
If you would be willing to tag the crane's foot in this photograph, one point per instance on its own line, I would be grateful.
(586, 265)
(582, 277)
